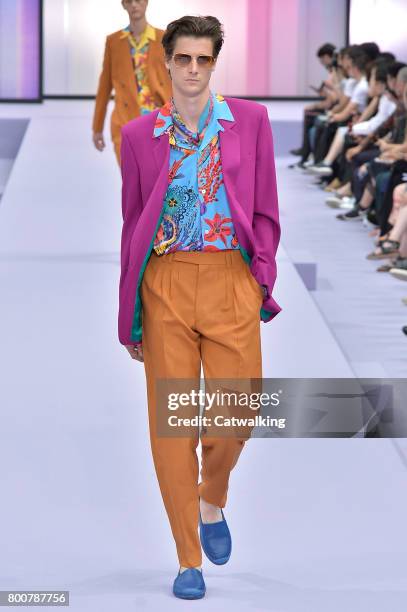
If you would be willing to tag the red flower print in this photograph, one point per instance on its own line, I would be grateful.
(210, 176)
(166, 110)
(217, 230)
(211, 247)
(173, 173)
(159, 123)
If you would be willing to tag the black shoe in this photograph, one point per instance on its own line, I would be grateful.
(404, 329)
(352, 215)
(372, 217)
(297, 166)
(298, 152)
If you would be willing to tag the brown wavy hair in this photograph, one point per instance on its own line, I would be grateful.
(198, 27)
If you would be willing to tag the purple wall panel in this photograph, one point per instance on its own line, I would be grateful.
(258, 47)
(19, 49)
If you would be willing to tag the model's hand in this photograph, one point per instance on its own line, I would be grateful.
(136, 352)
(98, 140)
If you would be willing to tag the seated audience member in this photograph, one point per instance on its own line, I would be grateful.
(384, 106)
(340, 84)
(326, 126)
(370, 147)
(326, 56)
(371, 49)
(392, 75)
(394, 243)
(384, 173)
(359, 143)
(341, 88)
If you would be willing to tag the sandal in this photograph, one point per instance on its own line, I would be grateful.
(385, 251)
(382, 239)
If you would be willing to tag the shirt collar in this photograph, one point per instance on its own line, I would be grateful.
(147, 34)
(221, 110)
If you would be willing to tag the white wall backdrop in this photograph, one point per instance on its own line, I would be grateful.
(75, 31)
(269, 47)
(386, 24)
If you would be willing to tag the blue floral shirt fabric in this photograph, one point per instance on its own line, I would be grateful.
(196, 215)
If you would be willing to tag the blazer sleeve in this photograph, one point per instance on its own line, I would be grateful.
(131, 211)
(104, 91)
(266, 223)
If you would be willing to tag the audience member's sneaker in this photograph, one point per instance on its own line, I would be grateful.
(322, 169)
(189, 584)
(307, 164)
(356, 214)
(348, 202)
(297, 166)
(372, 217)
(298, 152)
(334, 200)
(404, 330)
(399, 271)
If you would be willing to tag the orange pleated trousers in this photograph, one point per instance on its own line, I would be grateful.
(197, 307)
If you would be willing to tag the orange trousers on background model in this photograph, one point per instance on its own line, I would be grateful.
(197, 306)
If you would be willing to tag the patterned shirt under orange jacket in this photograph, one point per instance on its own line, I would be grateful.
(196, 215)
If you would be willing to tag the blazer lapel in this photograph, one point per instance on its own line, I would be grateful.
(161, 154)
(230, 155)
(126, 64)
(231, 167)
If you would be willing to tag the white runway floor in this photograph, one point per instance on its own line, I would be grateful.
(317, 525)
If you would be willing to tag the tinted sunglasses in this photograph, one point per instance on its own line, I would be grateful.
(184, 59)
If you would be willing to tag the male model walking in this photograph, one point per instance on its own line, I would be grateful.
(200, 234)
(134, 67)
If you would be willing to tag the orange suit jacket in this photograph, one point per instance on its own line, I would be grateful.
(118, 74)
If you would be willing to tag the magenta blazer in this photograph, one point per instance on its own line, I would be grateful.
(249, 176)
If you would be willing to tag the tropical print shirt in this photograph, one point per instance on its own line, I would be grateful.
(196, 215)
(139, 51)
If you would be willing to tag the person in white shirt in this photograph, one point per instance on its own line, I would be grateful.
(363, 126)
(359, 88)
(348, 85)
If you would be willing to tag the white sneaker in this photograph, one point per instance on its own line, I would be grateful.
(321, 169)
(399, 273)
(348, 202)
(334, 201)
(307, 165)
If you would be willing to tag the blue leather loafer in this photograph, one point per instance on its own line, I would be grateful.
(216, 540)
(190, 584)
